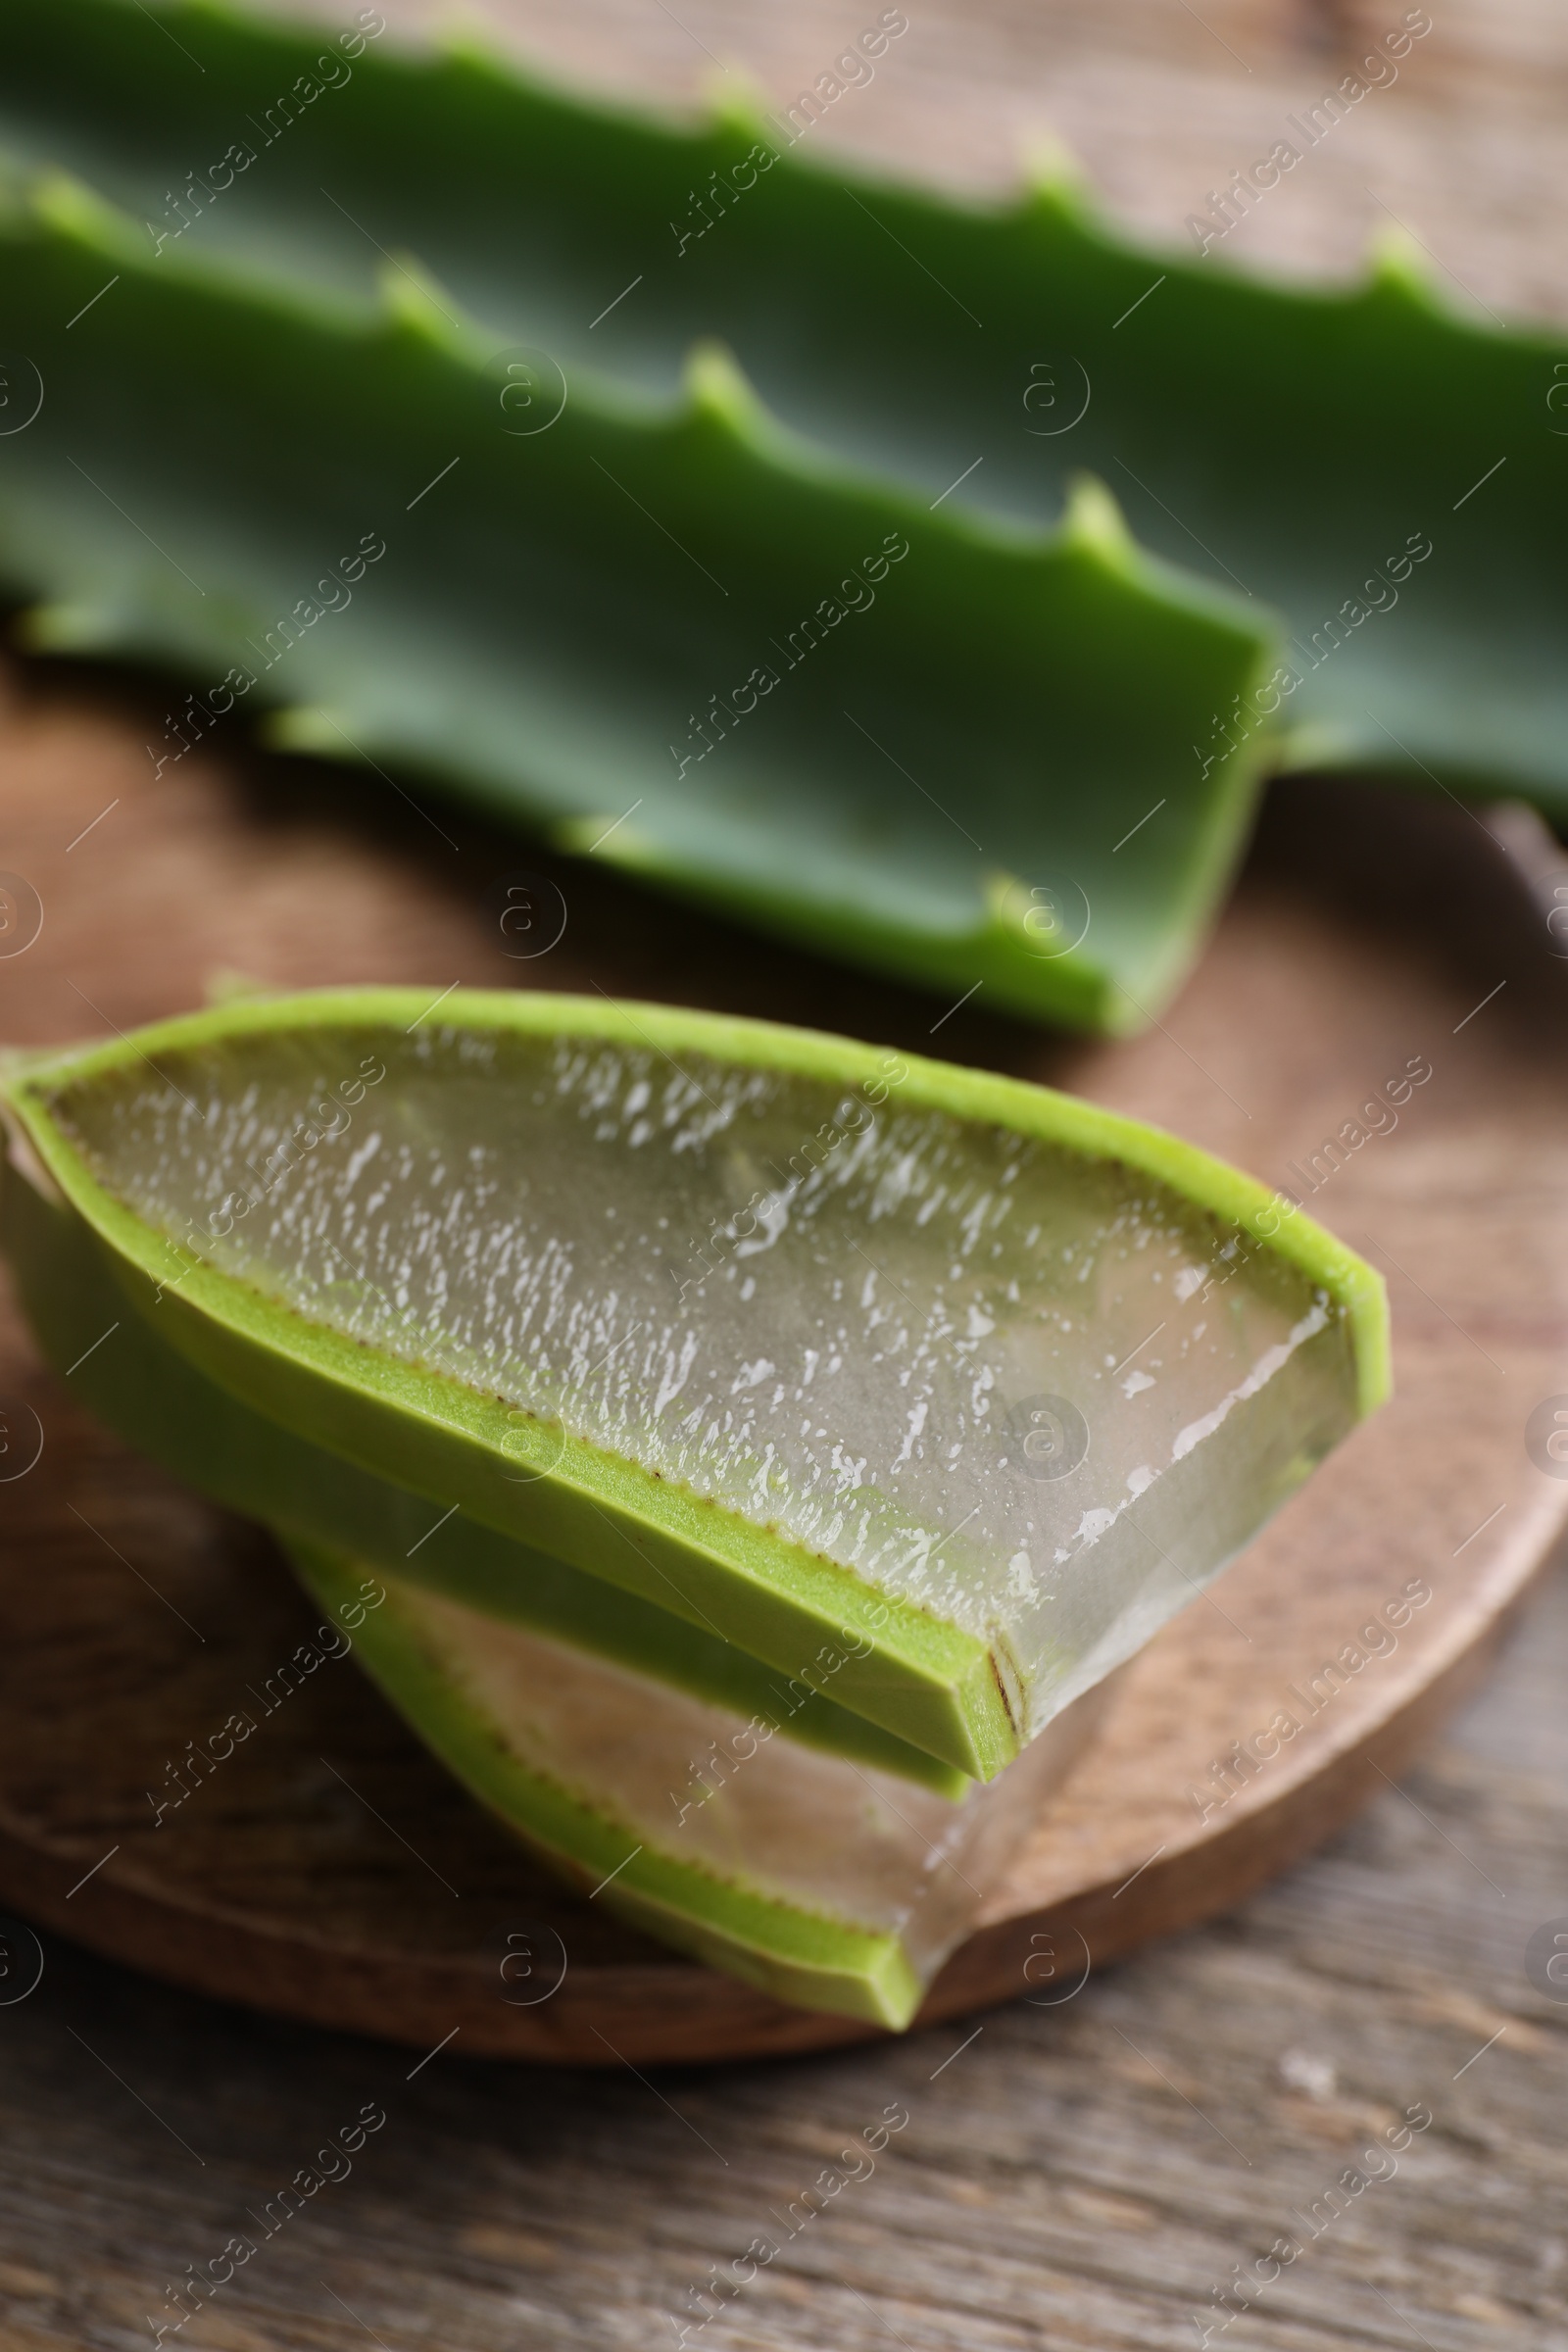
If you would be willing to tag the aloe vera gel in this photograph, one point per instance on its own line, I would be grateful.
(818, 1879)
(1037, 1395)
(767, 1442)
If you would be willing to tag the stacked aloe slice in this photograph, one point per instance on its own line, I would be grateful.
(752, 522)
(767, 1443)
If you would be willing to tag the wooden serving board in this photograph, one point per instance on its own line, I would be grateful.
(329, 1870)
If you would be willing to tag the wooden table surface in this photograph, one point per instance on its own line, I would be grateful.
(1084, 2175)
(1088, 2173)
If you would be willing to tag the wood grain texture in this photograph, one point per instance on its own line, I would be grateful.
(1083, 2176)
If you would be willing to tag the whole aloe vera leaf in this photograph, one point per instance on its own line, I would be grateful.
(1302, 445)
(158, 1401)
(827, 1885)
(951, 752)
(963, 1383)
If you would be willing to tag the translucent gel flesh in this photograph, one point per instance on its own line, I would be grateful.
(697, 1784)
(855, 1322)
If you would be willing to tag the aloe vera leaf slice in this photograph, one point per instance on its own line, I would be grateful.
(160, 1402)
(669, 635)
(773, 1326)
(827, 1884)
(1233, 415)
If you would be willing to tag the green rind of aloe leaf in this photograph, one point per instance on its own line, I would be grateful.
(925, 1680)
(1297, 445)
(158, 1401)
(667, 634)
(804, 1957)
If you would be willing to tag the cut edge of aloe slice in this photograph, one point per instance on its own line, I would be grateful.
(161, 1404)
(805, 1958)
(928, 1682)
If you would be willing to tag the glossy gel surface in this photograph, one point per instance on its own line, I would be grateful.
(1038, 1393)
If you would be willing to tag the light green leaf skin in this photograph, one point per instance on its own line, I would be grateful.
(929, 1683)
(934, 738)
(158, 1401)
(1287, 439)
(809, 1959)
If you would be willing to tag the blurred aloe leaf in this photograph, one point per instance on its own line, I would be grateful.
(1302, 447)
(671, 636)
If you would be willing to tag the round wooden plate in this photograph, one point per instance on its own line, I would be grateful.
(329, 1870)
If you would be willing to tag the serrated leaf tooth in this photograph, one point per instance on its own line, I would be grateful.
(67, 629)
(612, 836)
(469, 39)
(1015, 905)
(1094, 522)
(1397, 262)
(306, 727)
(737, 107)
(417, 302)
(1055, 180)
(716, 389)
(68, 206)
